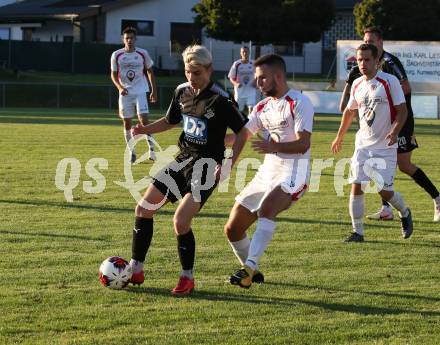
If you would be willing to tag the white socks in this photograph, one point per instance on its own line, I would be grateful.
(137, 266)
(397, 202)
(260, 240)
(150, 142)
(241, 249)
(356, 209)
(128, 136)
(187, 273)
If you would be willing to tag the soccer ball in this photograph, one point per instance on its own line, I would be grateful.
(115, 272)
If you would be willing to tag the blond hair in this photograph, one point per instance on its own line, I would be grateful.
(197, 55)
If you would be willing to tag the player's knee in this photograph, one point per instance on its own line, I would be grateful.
(227, 230)
(407, 167)
(143, 212)
(233, 233)
(181, 225)
(266, 212)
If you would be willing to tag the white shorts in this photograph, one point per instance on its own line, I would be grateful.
(376, 165)
(131, 105)
(292, 180)
(246, 101)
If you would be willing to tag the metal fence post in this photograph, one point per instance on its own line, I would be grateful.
(109, 97)
(58, 95)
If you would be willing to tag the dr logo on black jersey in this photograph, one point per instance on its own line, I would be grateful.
(196, 129)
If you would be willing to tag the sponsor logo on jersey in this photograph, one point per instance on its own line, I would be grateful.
(196, 129)
(130, 74)
(209, 113)
(369, 116)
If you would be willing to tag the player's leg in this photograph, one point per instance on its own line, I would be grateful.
(186, 245)
(127, 109)
(151, 202)
(419, 176)
(243, 215)
(356, 207)
(143, 111)
(356, 203)
(394, 198)
(240, 219)
(275, 202)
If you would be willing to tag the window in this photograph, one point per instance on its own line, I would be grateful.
(294, 49)
(4, 33)
(143, 27)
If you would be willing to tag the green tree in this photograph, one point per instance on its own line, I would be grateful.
(264, 22)
(400, 19)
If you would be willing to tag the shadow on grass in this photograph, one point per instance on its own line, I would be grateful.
(331, 290)
(47, 234)
(287, 302)
(44, 203)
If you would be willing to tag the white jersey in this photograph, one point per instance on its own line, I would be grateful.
(130, 68)
(243, 73)
(375, 100)
(282, 119)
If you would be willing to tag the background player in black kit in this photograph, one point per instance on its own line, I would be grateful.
(207, 112)
(406, 140)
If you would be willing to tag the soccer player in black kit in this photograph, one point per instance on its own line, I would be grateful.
(406, 140)
(206, 111)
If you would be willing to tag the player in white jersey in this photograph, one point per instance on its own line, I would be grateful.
(242, 77)
(286, 116)
(128, 68)
(379, 99)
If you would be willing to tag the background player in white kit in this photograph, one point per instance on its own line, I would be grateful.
(242, 76)
(379, 99)
(286, 116)
(129, 66)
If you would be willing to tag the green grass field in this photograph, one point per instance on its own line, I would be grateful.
(317, 291)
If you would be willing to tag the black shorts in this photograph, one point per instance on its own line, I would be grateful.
(176, 179)
(406, 139)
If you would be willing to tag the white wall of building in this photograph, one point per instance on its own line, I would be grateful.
(53, 31)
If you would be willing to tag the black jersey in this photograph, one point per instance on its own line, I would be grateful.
(388, 64)
(206, 117)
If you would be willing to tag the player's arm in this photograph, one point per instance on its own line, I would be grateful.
(345, 97)
(158, 126)
(233, 82)
(115, 79)
(240, 139)
(300, 145)
(406, 87)
(401, 116)
(153, 86)
(232, 72)
(346, 121)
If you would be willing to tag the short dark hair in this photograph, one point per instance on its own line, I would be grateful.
(129, 30)
(272, 60)
(374, 30)
(371, 47)
(244, 47)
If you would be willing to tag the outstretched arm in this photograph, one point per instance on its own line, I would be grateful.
(158, 126)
